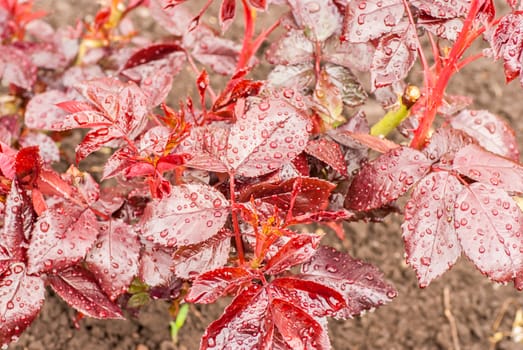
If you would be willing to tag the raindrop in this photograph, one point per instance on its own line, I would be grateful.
(425, 261)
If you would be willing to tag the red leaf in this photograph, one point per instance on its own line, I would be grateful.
(375, 143)
(300, 77)
(194, 259)
(259, 4)
(85, 187)
(320, 19)
(114, 257)
(175, 19)
(207, 147)
(444, 144)
(297, 250)
(156, 265)
(489, 225)
(243, 324)
(16, 67)
(61, 237)
(93, 141)
(7, 165)
(17, 223)
(209, 286)
(234, 91)
(42, 113)
(5, 260)
(316, 299)
(190, 214)
(119, 111)
(21, 298)
(386, 178)
(483, 166)
(328, 152)
(78, 288)
(361, 284)
(372, 19)
(74, 106)
(218, 53)
(154, 67)
(291, 49)
(394, 56)
(491, 132)
(269, 135)
(48, 148)
(28, 164)
(507, 43)
(51, 184)
(291, 322)
(431, 243)
(227, 13)
(310, 194)
(444, 28)
(151, 53)
(443, 9)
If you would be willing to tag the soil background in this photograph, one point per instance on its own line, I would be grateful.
(414, 320)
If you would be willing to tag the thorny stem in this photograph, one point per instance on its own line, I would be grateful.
(434, 100)
(235, 224)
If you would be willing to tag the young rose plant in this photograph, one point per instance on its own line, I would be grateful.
(217, 197)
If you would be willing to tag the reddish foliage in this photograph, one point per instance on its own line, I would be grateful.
(204, 201)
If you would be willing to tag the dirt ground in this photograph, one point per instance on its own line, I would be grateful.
(417, 319)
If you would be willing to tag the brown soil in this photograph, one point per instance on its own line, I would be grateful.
(416, 319)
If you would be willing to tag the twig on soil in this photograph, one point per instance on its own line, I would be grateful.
(450, 318)
(516, 333)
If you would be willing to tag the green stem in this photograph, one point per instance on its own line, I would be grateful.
(179, 322)
(390, 121)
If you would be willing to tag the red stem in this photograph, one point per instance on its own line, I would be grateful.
(263, 35)
(434, 100)
(247, 51)
(435, 54)
(468, 60)
(235, 224)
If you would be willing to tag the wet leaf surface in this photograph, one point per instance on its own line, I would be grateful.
(431, 243)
